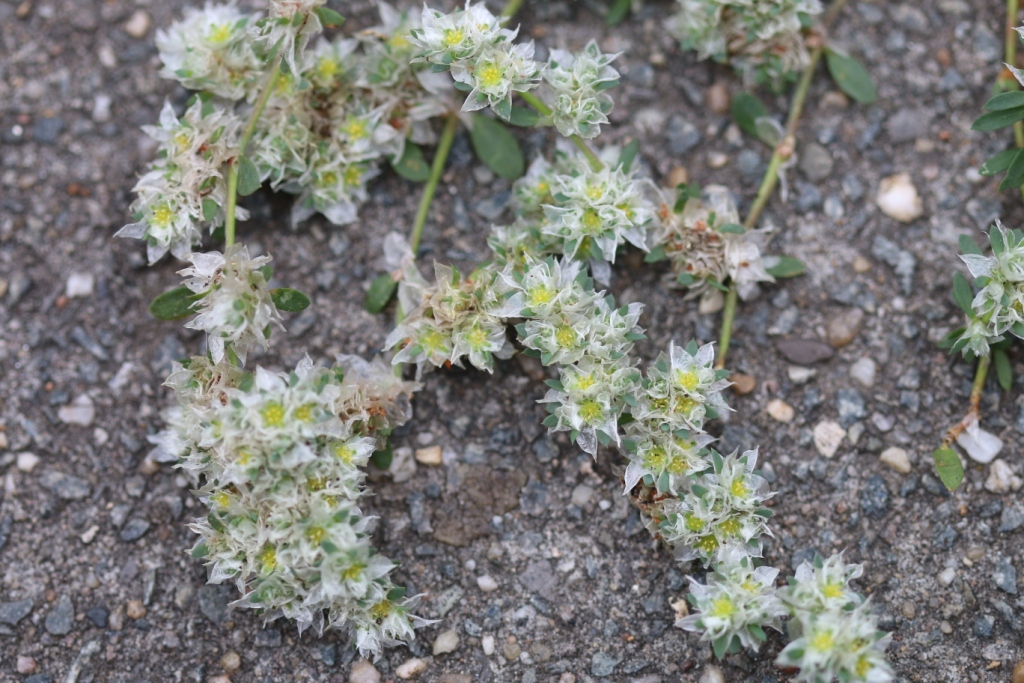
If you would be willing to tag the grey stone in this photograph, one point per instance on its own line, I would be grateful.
(1012, 519)
(47, 129)
(902, 261)
(816, 162)
(135, 529)
(213, 602)
(682, 134)
(749, 164)
(850, 405)
(39, 678)
(808, 197)
(61, 617)
(534, 500)
(654, 603)
(874, 497)
(65, 486)
(539, 577)
(98, 616)
(984, 211)
(5, 529)
(13, 612)
(603, 664)
(491, 208)
(804, 351)
(545, 449)
(82, 338)
(1005, 576)
(911, 379)
(988, 47)
(852, 187)
(270, 637)
(119, 515)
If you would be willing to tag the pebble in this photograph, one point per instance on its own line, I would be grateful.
(742, 384)
(487, 643)
(800, 375)
(677, 176)
(717, 98)
(65, 486)
(850, 405)
(898, 198)
(137, 25)
(135, 609)
(909, 610)
(1012, 518)
(816, 162)
(874, 498)
(363, 672)
(13, 612)
(26, 665)
(411, 668)
(61, 618)
(230, 661)
(717, 159)
(101, 108)
(896, 458)
(804, 351)
(486, 583)
(581, 495)
(844, 328)
(603, 664)
(98, 616)
(827, 437)
(1001, 478)
(1005, 576)
(861, 264)
(134, 529)
(946, 576)
(446, 642)
(79, 285)
(682, 135)
(1018, 672)
(27, 462)
(981, 446)
(780, 410)
(403, 465)
(429, 456)
(983, 626)
(511, 651)
(712, 674)
(4, 443)
(863, 371)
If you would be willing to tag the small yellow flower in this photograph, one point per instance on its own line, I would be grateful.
(273, 414)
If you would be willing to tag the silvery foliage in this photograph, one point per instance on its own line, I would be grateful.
(760, 38)
(998, 308)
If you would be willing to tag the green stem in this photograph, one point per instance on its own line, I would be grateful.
(979, 382)
(782, 152)
(1010, 53)
(581, 144)
(511, 7)
(444, 147)
(269, 82)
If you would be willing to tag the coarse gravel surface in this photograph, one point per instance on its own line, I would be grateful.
(516, 537)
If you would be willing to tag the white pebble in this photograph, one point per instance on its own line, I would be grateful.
(446, 642)
(90, 534)
(80, 285)
(604, 504)
(717, 159)
(3, 442)
(403, 465)
(981, 446)
(100, 436)
(800, 375)
(412, 668)
(79, 412)
(780, 410)
(137, 25)
(487, 643)
(897, 459)
(101, 108)
(946, 576)
(567, 565)
(898, 198)
(429, 456)
(363, 672)
(711, 302)
(27, 462)
(712, 674)
(486, 583)
(1001, 479)
(827, 437)
(863, 372)
(106, 55)
(470, 565)
(581, 495)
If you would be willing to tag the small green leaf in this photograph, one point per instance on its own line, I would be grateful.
(497, 147)
(200, 550)
(951, 338)
(685, 279)
(732, 228)
(851, 77)
(949, 467)
(412, 165)
(290, 300)
(209, 210)
(746, 110)
(994, 120)
(618, 12)
(524, 117)
(628, 155)
(995, 238)
(999, 162)
(1004, 371)
(787, 267)
(969, 246)
(248, 177)
(685, 193)
(1006, 100)
(173, 304)
(720, 646)
(329, 17)
(381, 290)
(655, 255)
(1014, 172)
(382, 459)
(396, 593)
(963, 293)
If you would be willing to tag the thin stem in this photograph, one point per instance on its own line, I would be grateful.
(444, 147)
(581, 144)
(1010, 54)
(782, 152)
(974, 412)
(250, 127)
(511, 7)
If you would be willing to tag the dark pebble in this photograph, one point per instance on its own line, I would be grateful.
(47, 129)
(983, 626)
(13, 612)
(135, 529)
(874, 498)
(804, 351)
(271, 637)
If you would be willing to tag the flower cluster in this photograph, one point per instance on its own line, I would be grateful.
(578, 85)
(278, 458)
(761, 38)
(998, 308)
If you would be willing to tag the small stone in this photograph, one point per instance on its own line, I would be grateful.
(26, 665)
(1012, 518)
(711, 302)
(65, 486)
(230, 661)
(780, 410)
(677, 176)
(411, 668)
(135, 609)
(861, 264)
(717, 98)
(712, 674)
(137, 25)
(1005, 576)
(98, 616)
(874, 498)
(116, 619)
(134, 529)
(61, 618)
(983, 626)
(101, 108)
(682, 135)
(804, 351)
(1018, 672)
(79, 285)
(13, 612)
(4, 443)
(581, 495)
(909, 610)
(800, 375)
(981, 446)
(486, 583)
(79, 412)
(27, 462)
(898, 198)
(603, 664)
(268, 637)
(717, 159)
(363, 672)
(815, 162)
(511, 651)
(429, 456)
(487, 643)
(827, 437)
(446, 642)
(742, 384)
(843, 328)
(896, 458)
(863, 372)
(1001, 478)
(946, 576)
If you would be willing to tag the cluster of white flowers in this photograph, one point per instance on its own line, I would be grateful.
(998, 308)
(761, 38)
(705, 244)
(578, 85)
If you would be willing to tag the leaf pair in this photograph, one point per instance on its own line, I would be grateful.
(1002, 111)
(179, 302)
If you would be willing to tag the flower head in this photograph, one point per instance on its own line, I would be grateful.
(578, 85)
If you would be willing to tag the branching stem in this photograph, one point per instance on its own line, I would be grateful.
(974, 412)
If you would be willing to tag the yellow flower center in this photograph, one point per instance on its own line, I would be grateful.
(488, 75)
(327, 67)
(355, 129)
(221, 499)
(352, 573)
(244, 456)
(678, 466)
(343, 451)
(565, 337)
(584, 382)
(453, 36)
(594, 192)
(316, 534)
(327, 179)
(688, 380)
(162, 216)
(305, 413)
(685, 405)
(432, 340)
(591, 411)
(353, 175)
(273, 415)
(863, 666)
(541, 295)
(694, 523)
(591, 221)
(730, 526)
(749, 586)
(477, 337)
(833, 590)
(181, 140)
(399, 41)
(723, 608)
(656, 459)
(739, 488)
(268, 558)
(316, 483)
(380, 611)
(708, 544)
(219, 33)
(823, 641)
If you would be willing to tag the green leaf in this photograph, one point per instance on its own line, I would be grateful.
(209, 210)
(1006, 100)
(851, 77)
(382, 459)
(949, 467)
(618, 12)
(381, 290)
(412, 165)
(787, 267)
(720, 646)
(1014, 173)
(994, 120)
(1004, 371)
(655, 255)
(999, 162)
(329, 17)
(290, 300)
(995, 238)
(963, 293)
(746, 110)
(969, 246)
(200, 550)
(950, 339)
(628, 155)
(173, 304)
(248, 177)
(685, 279)
(524, 117)
(396, 593)
(732, 229)
(685, 193)
(497, 148)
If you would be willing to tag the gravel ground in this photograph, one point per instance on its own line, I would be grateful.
(96, 585)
